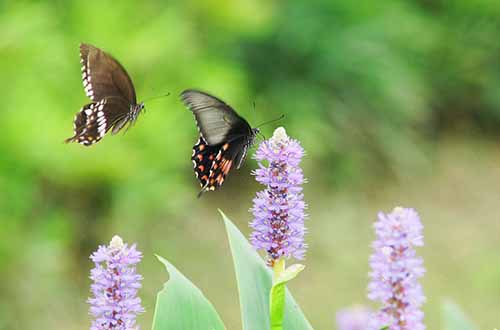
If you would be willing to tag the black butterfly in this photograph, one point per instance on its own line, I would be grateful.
(112, 93)
(224, 138)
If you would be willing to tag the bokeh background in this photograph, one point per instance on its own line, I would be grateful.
(395, 102)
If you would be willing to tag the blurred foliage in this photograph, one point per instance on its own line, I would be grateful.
(370, 88)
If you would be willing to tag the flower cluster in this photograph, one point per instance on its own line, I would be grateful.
(354, 318)
(396, 270)
(278, 225)
(115, 304)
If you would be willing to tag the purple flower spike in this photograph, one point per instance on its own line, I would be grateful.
(354, 318)
(278, 225)
(396, 270)
(115, 304)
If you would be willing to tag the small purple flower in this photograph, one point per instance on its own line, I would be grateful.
(115, 304)
(396, 270)
(278, 225)
(354, 318)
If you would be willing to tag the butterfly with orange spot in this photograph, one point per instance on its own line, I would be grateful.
(224, 138)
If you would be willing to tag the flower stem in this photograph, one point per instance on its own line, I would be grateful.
(278, 268)
(277, 296)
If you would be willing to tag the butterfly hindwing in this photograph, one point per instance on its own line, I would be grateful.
(95, 119)
(213, 163)
(221, 166)
(203, 158)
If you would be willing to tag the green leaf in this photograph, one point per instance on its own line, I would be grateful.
(277, 297)
(454, 318)
(254, 285)
(181, 305)
(289, 273)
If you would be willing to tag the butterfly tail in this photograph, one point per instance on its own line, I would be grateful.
(202, 191)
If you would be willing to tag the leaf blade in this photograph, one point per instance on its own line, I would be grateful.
(181, 305)
(454, 317)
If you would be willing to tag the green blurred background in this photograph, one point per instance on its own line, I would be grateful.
(395, 102)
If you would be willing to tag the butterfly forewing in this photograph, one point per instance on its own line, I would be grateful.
(104, 76)
(217, 121)
(95, 119)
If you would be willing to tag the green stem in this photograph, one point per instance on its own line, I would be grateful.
(277, 297)
(278, 268)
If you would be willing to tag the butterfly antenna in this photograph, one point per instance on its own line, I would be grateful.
(263, 136)
(156, 97)
(272, 121)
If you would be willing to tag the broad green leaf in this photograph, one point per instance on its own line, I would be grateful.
(454, 318)
(181, 305)
(277, 299)
(254, 285)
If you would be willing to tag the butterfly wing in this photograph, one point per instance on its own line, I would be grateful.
(103, 76)
(95, 119)
(203, 157)
(217, 121)
(213, 163)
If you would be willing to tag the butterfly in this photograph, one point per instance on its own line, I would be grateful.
(112, 93)
(224, 138)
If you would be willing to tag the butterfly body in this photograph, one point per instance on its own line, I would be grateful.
(109, 87)
(225, 138)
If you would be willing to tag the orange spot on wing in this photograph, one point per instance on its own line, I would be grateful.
(201, 168)
(225, 146)
(200, 157)
(201, 147)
